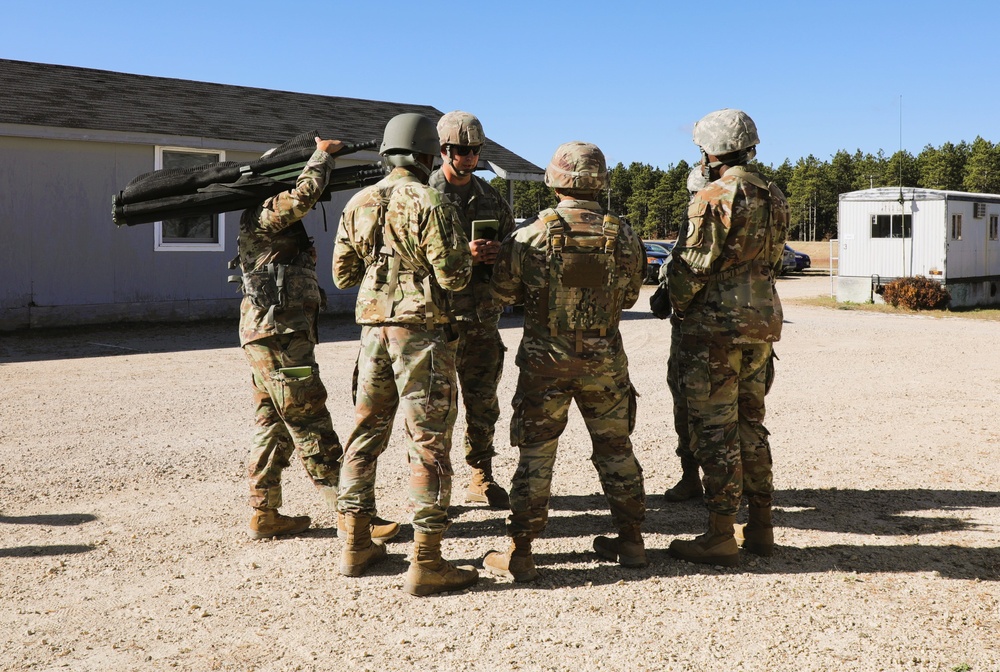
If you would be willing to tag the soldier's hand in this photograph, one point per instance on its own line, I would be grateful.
(484, 251)
(331, 147)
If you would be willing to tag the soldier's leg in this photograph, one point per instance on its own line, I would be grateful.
(710, 379)
(607, 403)
(424, 367)
(272, 445)
(300, 398)
(755, 448)
(541, 409)
(376, 400)
(424, 364)
(479, 366)
(755, 379)
(689, 486)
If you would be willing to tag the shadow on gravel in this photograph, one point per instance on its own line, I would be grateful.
(50, 520)
(879, 513)
(35, 551)
(112, 340)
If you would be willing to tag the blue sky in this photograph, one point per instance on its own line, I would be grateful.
(631, 77)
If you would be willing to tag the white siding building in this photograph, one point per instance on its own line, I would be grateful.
(949, 236)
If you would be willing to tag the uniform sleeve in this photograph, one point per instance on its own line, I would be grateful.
(348, 267)
(281, 211)
(506, 217)
(446, 247)
(506, 288)
(706, 232)
(635, 269)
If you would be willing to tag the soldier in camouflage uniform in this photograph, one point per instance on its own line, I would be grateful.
(407, 358)
(722, 287)
(281, 302)
(689, 486)
(480, 348)
(575, 268)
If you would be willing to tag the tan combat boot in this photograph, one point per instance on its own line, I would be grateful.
(715, 547)
(382, 530)
(758, 534)
(267, 523)
(516, 563)
(360, 552)
(689, 486)
(429, 573)
(627, 549)
(484, 490)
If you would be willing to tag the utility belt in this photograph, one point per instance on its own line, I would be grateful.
(267, 286)
(434, 315)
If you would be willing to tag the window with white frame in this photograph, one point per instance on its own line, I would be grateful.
(956, 226)
(201, 233)
(892, 226)
(993, 226)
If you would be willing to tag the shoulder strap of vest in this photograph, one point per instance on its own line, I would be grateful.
(610, 230)
(555, 229)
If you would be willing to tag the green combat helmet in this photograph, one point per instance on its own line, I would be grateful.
(460, 128)
(405, 136)
(725, 131)
(577, 165)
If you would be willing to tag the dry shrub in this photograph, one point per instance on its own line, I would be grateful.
(917, 293)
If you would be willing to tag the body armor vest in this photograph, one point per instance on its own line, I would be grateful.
(584, 298)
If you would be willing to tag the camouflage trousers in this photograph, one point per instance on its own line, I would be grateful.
(413, 370)
(606, 400)
(290, 413)
(684, 447)
(724, 386)
(479, 364)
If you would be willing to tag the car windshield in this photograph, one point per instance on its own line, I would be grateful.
(656, 247)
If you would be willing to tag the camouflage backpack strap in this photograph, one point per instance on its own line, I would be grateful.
(555, 237)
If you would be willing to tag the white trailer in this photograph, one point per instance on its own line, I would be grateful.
(948, 236)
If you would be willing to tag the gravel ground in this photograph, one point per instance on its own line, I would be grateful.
(123, 518)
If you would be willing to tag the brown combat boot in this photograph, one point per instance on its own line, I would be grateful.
(689, 486)
(267, 523)
(715, 547)
(382, 530)
(429, 573)
(484, 490)
(516, 563)
(360, 552)
(628, 549)
(758, 534)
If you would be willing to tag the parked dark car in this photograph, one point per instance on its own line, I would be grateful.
(794, 262)
(657, 254)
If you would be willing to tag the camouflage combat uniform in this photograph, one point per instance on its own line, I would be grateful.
(278, 332)
(407, 356)
(722, 283)
(480, 349)
(560, 364)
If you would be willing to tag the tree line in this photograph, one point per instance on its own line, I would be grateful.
(654, 201)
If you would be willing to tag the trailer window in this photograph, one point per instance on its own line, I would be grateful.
(993, 226)
(190, 234)
(892, 226)
(956, 226)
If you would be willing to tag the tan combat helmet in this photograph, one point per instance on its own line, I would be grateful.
(725, 131)
(577, 165)
(460, 128)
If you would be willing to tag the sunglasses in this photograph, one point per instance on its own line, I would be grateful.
(465, 150)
